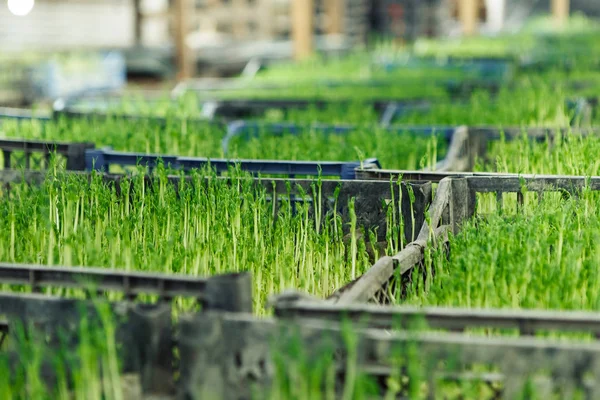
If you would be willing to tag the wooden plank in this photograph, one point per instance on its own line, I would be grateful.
(468, 12)
(235, 354)
(527, 322)
(461, 206)
(211, 290)
(434, 176)
(302, 14)
(423, 193)
(240, 19)
(458, 157)
(534, 183)
(186, 63)
(405, 175)
(266, 21)
(138, 20)
(365, 287)
(560, 10)
(410, 256)
(440, 202)
(335, 11)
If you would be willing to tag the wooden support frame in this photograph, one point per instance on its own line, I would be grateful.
(468, 15)
(233, 358)
(186, 63)
(267, 24)
(302, 13)
(560, 10)
(335, 10)
(239, 29)
(453, 204)
(453, 319)
(138, 18)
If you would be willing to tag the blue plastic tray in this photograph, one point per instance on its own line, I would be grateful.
(102, 159)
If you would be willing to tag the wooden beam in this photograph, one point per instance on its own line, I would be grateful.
(302, 28)
(267, 22)
(240, 18)
(468, 12)
(335, 10)
(495, 14)
(560, 10)
(186, 63)
(138, 18)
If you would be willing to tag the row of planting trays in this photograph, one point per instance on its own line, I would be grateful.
(38, 77)
(223, 351)
(41, 77)
(464, 145)
(245, 117)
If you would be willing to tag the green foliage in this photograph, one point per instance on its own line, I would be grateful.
(204, 228)
(544, 257)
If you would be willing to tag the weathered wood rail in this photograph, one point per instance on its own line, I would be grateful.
(232, 337)
(445, 215)
(526, 322)
(234, 355)
(144, 331)
(454, 202)
(132, 284)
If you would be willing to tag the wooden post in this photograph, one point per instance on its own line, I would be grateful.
(560, 10)
(230, 293)
(240, 18)
(302, 28)
(495, 10)
(186, 62)
(468, 10)
(137, 6)
(267, 19)
(335, 16)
